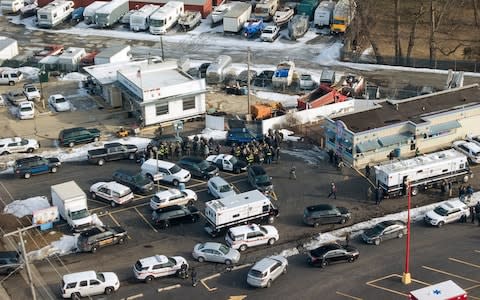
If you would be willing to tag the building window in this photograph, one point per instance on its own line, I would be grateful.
(161, 109)
(189, 103)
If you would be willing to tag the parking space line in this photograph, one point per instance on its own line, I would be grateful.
(129, 207)
(472, 287)
(241, 267)
(450, 274)
(348, 296)
(100, 208)
(196, 184)
(198, 180)
(372, 283)
(146, 221)
(274, 196)
(167, 288)
(208, 278)
(118, 224)
(464, 262)
(478, 251)
(134, 297)
(97, 201)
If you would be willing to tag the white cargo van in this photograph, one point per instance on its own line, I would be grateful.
(166, 171)
(10, 77)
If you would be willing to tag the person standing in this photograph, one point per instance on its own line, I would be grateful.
(367, 171)
(193, 275)
(293, 174)
(477, 212)
(333, 191)
(472, 214)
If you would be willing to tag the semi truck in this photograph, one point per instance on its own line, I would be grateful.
(342, 16)
(421, 173)
(71, 202)
(252, 206)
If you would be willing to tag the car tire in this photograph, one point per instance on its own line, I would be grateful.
(108, 290)
(11, 83)
(113, 204)
(101, 162)
(194, 219)
(75, 296)
(30, 150)
(400, 235)
(94, 196)
(121, 241)
(175, 182)
(285, 270)
(95, 139)
(148, 279)
(316, 224)
(94, 249)
(440, 224)
(131, 156)
(149, 176)
(228, 262)
(351, 259)
(376, 242)
(166, 224)
(71, 144)
(271, 241)
(201, 259)
(323, 264)
(343, 221)
(27, 175)
(5, 153)
(190, 203)
(414, 191)
(269, 284)
(271, 220)
(54, 170)
(243, 248)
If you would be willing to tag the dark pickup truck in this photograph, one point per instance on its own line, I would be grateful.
(112, 151)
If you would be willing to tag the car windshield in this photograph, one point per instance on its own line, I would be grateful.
(203, 165)
(377, 229)
(25, 108)
(80, 214)
(268, 30)
(262, 179)
(263, 229)
(140, 179)
(224, 249)
(440, 211)
(225, 188)
(173, 261)
(60, 100)
(100, 277)
(175, 169)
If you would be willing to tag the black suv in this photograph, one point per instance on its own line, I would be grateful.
(10, 261)
(175, 214)
(198, 167)
(325, 214)
(137, 182)
(100, 236)
(78, 135)
(34, 165)
(259, 179)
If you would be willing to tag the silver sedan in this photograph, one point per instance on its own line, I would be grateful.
(215, 252)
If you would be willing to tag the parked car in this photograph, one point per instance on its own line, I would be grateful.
(385, 230)
(10, 261)
(307, 82)
(78, 135)
(227, 162)
(16, 97)
(447, 212)
(18, 144)
(111, 192)
(137, 182)
(246, 236)
(175, 214)
(325, 214)
(265, 271)
(89, 283)
(330, 253)
(220, 188)
(157, 170)
(59, 103)
(110, 152)
(31, 92)
(34, 165)
(158, 266)
(100, 236)
(270, 33)
(259, 179)
(26, 110)
(470, 149)
(173, 197)
(215, 252)
(198, 167)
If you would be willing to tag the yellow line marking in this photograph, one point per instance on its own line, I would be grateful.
(348, 296)
(196, 184)
(100, 208)
(464, 262)
(130, 207)
(241, 267)
(118, 224)
(167, 288)
(478, 251)
(208, 278)
(371, 283)
(450, 274)
(146, 221)
(382, 278)
(274, 196)
(197, 180)
(472, 287)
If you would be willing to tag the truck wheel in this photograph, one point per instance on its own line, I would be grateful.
(269, 283)
(343, 220)
(228, 262)
(440, 224)
(11, 83)
(376, 242)
(465, 178)
(316, 224)
(27, 175)
(101, 162)
(30, 150)
(94, 249)
(54, 170)
(131, 156)
(271, 241)
(414, 191)
(148, 279)
(71, 144)
(108, 290)
(175, 182)
(190, 203)
(113, 204)
(166, 224)
(243, 248)
(271, 219)
(94, 196)
(121, 241)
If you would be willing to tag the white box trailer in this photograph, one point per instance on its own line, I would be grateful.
(54, 13)
(242, 208)
(140, 20)
(11, 6)
(234, 19)
(215, 72)
(165, 17)
(89, 11)
(71, 202)
(111, 13)
(423, 172)
(265, 9)
(324, 14)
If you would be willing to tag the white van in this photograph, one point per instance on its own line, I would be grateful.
(166, 171)
(11, 6)
(89, 283)
(10, 77)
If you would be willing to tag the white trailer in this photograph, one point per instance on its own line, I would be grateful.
(54, 13)
(234, 19)
(265, 9)
(324, 14)
(71, 202)
(89, 11)
(423, 172)
(215, 72)
(11, 6)
(165, 17)
(140, 20)
(239, 209)
(111, 13)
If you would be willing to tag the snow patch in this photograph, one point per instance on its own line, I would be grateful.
(65, 245)
(21, 208)
(208, 133)
(96, 220)
(288, 135)
(74, 76)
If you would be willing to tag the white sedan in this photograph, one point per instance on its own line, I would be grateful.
(173, 197)
(59, 103)
(219, 188)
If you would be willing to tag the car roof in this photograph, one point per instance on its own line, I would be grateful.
(11, 140)
(244, 228)
(265, 263)
(453, 204)
(212, 245)
(328, 247)
(57, 96)
(152, 260)
(26, 103)
(116, 186)
(79, 276)
(25, 159)
(217, 180)
(93, 231)
(67, 130)
(169, 192)
(320, 207)
(162, 163)
(259, 170)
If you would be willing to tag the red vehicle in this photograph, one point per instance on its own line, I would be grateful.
(447, 290)
(89, 59)
(50, 50)
(323, 95)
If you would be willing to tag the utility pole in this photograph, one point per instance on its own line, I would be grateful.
(248, 80)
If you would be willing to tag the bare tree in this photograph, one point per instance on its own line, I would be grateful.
(396, 37)
(475, 12)
(437, 14)
(367, 22)
(411, 39)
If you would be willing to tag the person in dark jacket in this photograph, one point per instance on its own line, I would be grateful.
(477, 212)
(193, 275)
(472, 214)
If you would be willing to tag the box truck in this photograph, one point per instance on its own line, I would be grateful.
(252, 206)
(71, 202)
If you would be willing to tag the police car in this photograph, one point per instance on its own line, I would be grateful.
(18, 144)
(447, 212)
(158, 266)
(245, 236)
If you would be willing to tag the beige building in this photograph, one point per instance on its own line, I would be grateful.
(398, 128)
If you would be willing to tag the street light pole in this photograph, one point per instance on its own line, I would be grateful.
(407, 278)
(156, 159)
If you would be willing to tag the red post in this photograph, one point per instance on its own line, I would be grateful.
(406, 278)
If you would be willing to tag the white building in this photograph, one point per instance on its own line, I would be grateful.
(8, 48)
(162, 93)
